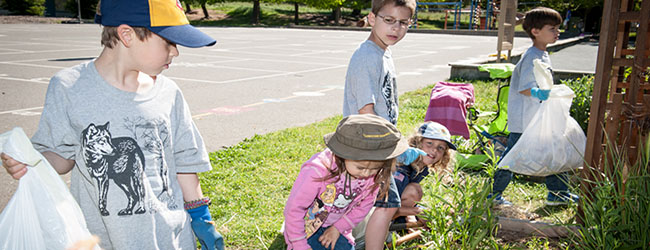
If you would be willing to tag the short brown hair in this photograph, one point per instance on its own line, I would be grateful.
(110, 37)
(538, 17)
(378, 4)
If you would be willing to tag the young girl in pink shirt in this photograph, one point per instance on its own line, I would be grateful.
(336, 188)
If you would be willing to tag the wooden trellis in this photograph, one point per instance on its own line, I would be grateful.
(620, 108)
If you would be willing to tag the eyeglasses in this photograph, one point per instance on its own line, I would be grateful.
(391, 20)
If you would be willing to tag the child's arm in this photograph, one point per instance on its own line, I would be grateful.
(304, 191)
(190, 186)
(60, 164)
(541, 94)
(368, 109)
(356, 215)
(17, 169)
(197, 207)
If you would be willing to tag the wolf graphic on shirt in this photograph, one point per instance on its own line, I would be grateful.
(388, 92)
(119, 159)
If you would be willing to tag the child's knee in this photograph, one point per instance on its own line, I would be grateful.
(413, 191)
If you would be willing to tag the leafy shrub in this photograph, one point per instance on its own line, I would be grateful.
(24, 7)
(581, 106)
(88, 8)
(616, 210)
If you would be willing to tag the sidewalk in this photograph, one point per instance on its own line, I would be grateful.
(578, 57)
(571, 58)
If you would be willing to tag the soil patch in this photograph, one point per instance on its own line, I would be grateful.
(11, 19)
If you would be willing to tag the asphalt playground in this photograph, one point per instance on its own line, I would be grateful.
(253, 81)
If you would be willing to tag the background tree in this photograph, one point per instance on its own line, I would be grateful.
(296, 8)
(203, 4)
(589, 10)
(24, 7)
(88, 8)
(334, 5)
(357, 6)
(188, 6)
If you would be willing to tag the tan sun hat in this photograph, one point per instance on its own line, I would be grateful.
(366, 137)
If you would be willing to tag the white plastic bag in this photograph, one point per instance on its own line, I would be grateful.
(543, 74)
(553, 142)
(42, 214)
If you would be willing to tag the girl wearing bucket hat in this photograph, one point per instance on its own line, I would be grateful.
(434, 141)
(346, 178)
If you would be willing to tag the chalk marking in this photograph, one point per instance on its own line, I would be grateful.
(37, 80)
(17, 111)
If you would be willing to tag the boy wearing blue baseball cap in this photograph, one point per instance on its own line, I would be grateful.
(127, 135)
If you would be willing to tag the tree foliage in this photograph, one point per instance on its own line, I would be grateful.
(24, 7)
(203, 4)
(88, 8)
(564, 5)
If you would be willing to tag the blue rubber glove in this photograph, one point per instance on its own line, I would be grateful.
(409, 156)
(541, 94)
(203, 228)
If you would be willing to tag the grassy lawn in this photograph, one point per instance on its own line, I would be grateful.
(238, 14)
(252, 180)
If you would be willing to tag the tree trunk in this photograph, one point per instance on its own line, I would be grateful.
(356, 13)
(336, 15)
(205, 11)
(255, 18)
(295, 15)
(188, 8)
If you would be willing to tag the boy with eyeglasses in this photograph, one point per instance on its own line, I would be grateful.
(371, 88)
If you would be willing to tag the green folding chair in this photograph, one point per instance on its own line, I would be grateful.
(495, 133)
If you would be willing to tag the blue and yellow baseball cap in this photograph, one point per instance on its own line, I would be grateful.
(163, 17)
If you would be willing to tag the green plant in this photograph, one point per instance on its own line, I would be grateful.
(459, 213)
(88, 8)
(617, 206)
(250, 182)
(581, 106)
(24, 7)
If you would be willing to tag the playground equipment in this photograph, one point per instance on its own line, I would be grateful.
(455, 6)
(476, 20)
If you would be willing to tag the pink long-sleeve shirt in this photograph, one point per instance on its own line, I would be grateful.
(345, 206)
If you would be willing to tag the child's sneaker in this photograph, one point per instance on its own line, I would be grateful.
(561, 198)
(499, 200)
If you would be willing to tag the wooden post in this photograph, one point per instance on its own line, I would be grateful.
(506, 33)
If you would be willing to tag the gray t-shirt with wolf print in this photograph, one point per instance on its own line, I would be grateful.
(127, 148)
(371, 79)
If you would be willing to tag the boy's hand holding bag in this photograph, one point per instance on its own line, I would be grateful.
(42, 214)
(553, 142)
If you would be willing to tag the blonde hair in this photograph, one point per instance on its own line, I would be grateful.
(110, 37)
(444, 165)
(378, 4)
(382, 178)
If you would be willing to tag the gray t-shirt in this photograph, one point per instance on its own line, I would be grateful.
(371, 79)
(521, 108)
(127, 148)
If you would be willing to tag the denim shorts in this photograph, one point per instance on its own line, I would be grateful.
(341, 243)
(392, 198)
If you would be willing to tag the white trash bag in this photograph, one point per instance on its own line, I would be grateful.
(42, 214)
(553, 142)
